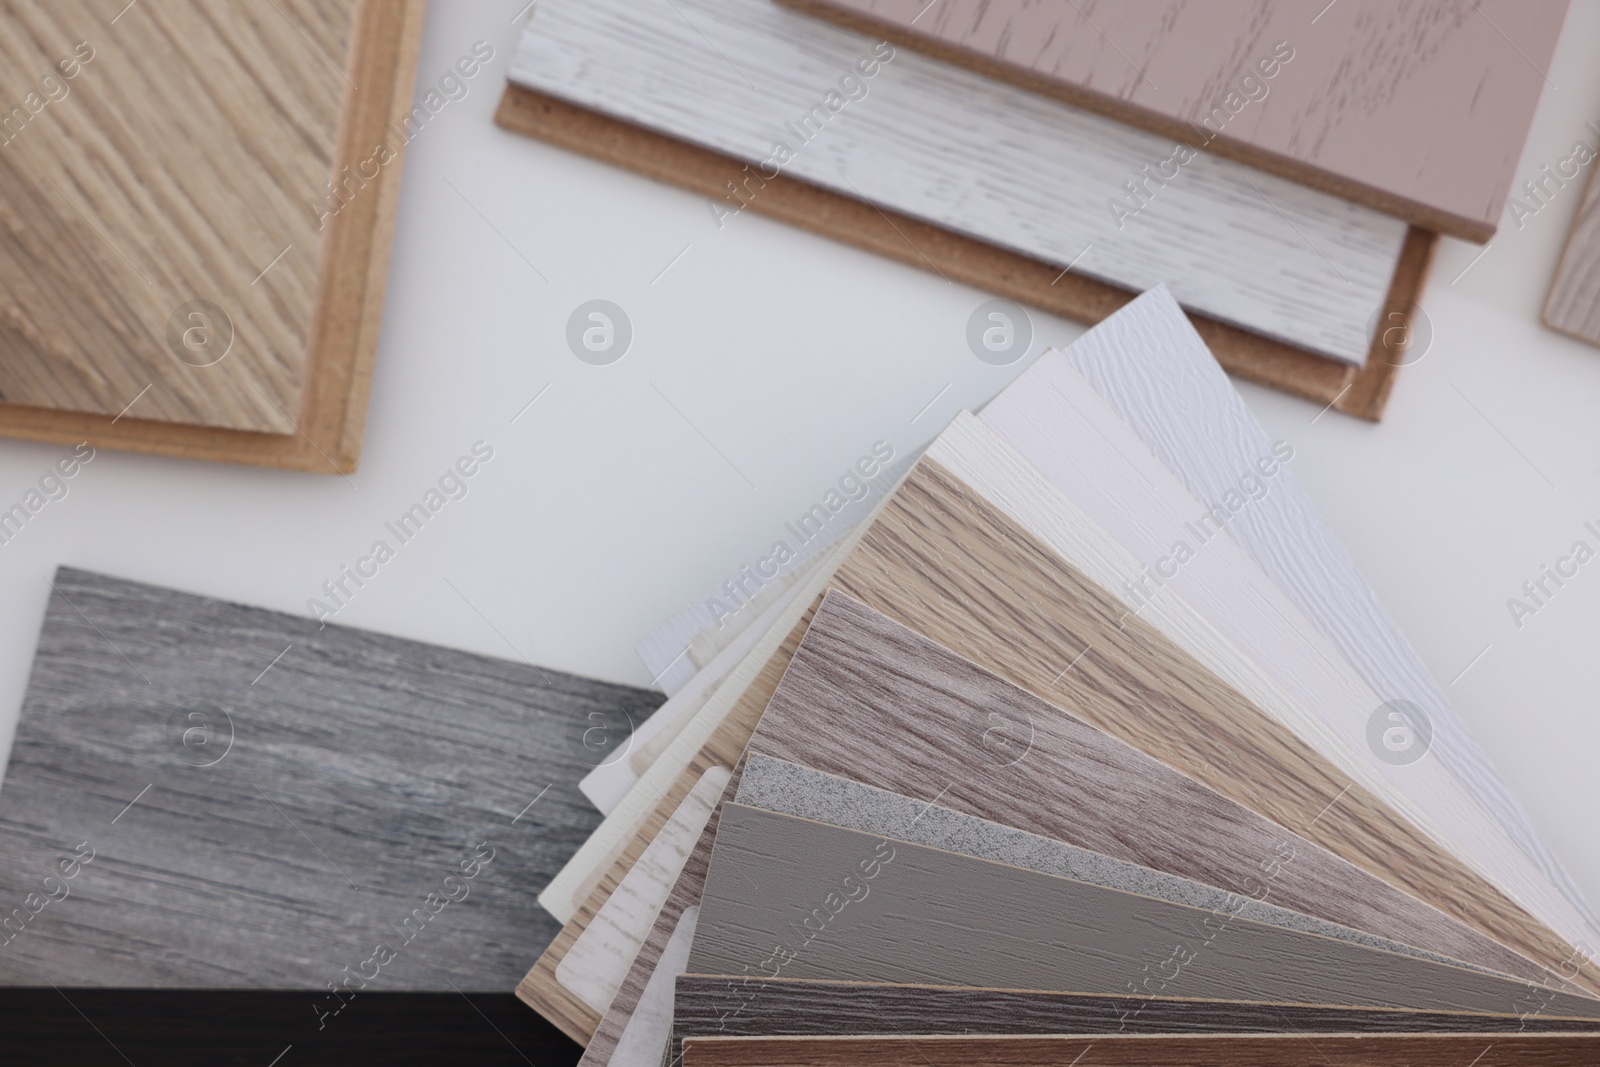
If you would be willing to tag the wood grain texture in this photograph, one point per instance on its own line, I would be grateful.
(348, 263)
(942, 560)
(1218, 1050)
(1418, 109)
(1573, 306)
(1361, 392)
(1154, 371)
(801, 899)
(267, 799)
(789, 789)
(744, 1006)
(1054, 417)
(924, 140)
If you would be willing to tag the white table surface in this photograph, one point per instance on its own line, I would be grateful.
(764, 361)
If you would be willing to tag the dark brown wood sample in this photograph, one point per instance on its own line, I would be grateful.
(1214, 1050)
(335, 302)
(802, 899)
(743, 1006)
(246, 799)
(1355, 391)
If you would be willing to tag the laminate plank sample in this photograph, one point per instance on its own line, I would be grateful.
(983, 264)
(949, 147)
(789, 789)
(1155, 372)
(746, 1006)
(1055, 419)
(1417, 109)
(1212, 1050)
(265, 800)
(813, 901)
(950, 563)
(1573, 306)
(110, 246)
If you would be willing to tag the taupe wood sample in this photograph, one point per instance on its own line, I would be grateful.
(267, 800)
(940, 559)
(742, 1006)
(1218, 1050)
(1573, 306)
(1418, 109)
(1361, 392)
(814, 901)
(322, 300)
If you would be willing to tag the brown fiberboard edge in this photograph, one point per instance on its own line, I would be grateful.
(1150, 1050)
(351, 277)
(1420, 215)
(1355, 391)
(930, 490)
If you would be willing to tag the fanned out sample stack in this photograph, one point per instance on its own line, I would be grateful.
(1082, 743)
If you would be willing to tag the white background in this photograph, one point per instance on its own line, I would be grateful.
(764, 362)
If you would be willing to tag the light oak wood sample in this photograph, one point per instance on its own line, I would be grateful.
(1155, 372)
(1573, 306)
(743, 1006)
(821, 902)
(1056, 419)
(266, 800)
(292, 390)
(1418, 109)
(1215, 1050)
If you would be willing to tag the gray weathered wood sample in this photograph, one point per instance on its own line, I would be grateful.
(1573, 306)
(790, 789)
(743, 1006)
(267, 801)
(800, 899)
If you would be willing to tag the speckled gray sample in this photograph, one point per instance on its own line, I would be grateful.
(267, 800)
(788, 788)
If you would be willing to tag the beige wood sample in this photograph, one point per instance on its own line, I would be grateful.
(291, 391)
(944, 561)
(1140, 1050)
(1573, 306)
(1361, 392)
(1418, 109)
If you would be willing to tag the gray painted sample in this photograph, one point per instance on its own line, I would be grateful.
(791, 898)
(267, 802)
(789, 789)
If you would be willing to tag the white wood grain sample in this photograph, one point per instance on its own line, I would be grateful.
(978, 157)
(1065, 429)
(598, 960)
(1155, 372)
(650, 1026)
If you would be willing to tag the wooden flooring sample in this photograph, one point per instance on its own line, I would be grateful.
(266, 801)
(1217, 1050)
(970, 155)
(742, 1006)
(943, 559)
(228, 307)
(789, 789)
(813, 901)
(1336, 96)
(1573, 306)
(1054, 418)
(1154, 371)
